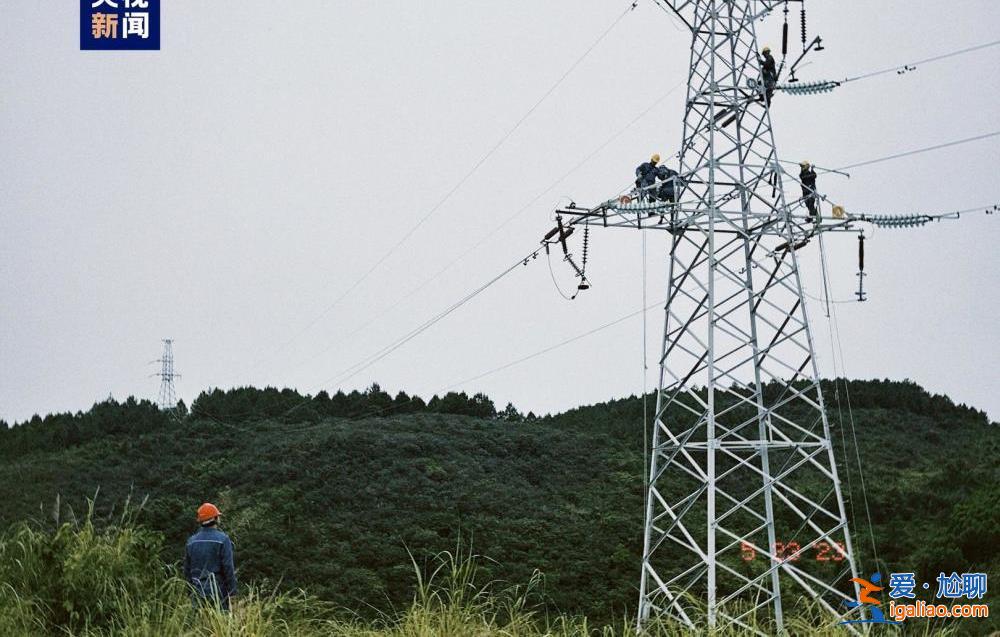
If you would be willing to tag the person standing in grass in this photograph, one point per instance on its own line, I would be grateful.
(208, 560)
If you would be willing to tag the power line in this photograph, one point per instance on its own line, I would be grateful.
(360, 366)
(472, 248)
(389, 349)
(472, 171)
(533, 355)
(645, 375)
(357, 368)
(921, 150)
(854, 434)
(823, 86)
(550, 348)
(308, 398)
(364, 364)
(910, 65)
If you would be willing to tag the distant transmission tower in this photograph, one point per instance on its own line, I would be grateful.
(744, 513)
(168, 397)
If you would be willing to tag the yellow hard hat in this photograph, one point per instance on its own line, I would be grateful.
(804, 162)
(655, 158)
(766, 49)
(838, 212)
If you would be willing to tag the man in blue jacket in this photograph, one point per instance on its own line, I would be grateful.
(645, 177)
(208, 560)
(669, 180)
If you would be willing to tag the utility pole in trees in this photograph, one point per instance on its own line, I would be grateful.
(168, 397)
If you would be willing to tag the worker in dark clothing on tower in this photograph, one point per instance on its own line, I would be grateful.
(208, 561)
(668, 186)
(645, 177)
(807, 177)
(769, 70)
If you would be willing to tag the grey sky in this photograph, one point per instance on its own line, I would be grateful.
(226, 189)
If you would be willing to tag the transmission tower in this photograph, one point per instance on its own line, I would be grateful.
(744, 510)
(168, 397)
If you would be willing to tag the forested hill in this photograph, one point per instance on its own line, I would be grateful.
(330, 493)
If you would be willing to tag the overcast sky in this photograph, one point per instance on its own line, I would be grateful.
(226, 190)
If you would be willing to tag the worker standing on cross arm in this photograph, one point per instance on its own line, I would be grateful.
(645, 177)
(807, 177)
(209, 562)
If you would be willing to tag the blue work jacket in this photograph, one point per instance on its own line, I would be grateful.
(645, 175)
(208, 565)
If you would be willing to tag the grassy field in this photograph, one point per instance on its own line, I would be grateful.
(102, 580)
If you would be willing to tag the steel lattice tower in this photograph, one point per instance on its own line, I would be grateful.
(168, 397)
(744, 509)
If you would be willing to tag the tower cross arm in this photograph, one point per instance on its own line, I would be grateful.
(690, 10)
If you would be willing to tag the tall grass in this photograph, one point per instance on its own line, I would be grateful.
(98, 579)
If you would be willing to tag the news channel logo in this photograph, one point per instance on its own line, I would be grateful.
(119, 25)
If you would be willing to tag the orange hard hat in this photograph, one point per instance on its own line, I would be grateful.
(208, 511)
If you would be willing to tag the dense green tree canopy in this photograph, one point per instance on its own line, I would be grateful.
(331, 492)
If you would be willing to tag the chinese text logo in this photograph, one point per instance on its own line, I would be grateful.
(903, 587)
(117, 25)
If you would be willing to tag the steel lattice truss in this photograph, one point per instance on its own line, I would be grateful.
(744, 514)
(743, 493)
(168, 396)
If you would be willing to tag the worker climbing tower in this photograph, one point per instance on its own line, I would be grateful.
(744, 513)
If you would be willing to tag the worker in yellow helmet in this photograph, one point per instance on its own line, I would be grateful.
(807, 177)
(208, 560)
(769, 71)
(645, 176)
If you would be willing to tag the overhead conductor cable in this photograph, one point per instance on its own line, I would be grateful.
(472, 171)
